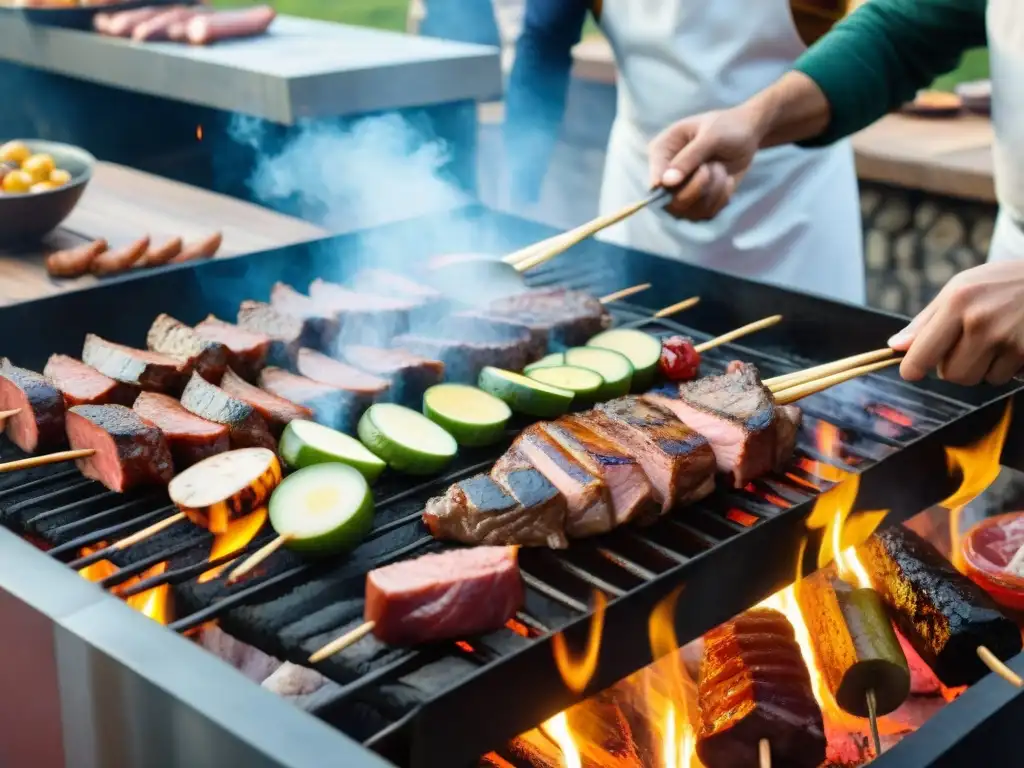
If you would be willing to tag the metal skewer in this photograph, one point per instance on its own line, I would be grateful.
(873, 721)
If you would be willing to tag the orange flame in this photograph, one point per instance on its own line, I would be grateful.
(237, 536)
(978, 466)
(154, 603)
(577, 672)
(199, 133)
(558, 729)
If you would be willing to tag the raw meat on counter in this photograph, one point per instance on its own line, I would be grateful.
(194, 24)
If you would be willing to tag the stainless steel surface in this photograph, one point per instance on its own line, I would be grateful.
(301, 69)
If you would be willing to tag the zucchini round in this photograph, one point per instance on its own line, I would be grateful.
(548, 361)
(408, 441)
(470, 415)
(323, 509)
(583, 383)
(305, 443)
(614, 367)
(525, 395)
(641, 349)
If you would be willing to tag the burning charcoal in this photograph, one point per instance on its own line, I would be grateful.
(415, 688)
(357, 660)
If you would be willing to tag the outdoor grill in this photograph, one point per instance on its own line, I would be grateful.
(105, 686)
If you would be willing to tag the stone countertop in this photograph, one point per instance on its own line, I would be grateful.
(943, 156)
(302, 68)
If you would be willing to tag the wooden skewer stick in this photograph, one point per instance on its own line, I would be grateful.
(679, 306)
(145, 533)
(787, 380)
(343, 642)
(50, 458)
(873, 722)
(621, 294)
(4, 415)
(764, 751)
(258, 557)
(991, 661)
(725, 338)
(529, 251)
(792, 394)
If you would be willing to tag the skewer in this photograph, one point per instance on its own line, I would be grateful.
(873, 721)
(991, 661)
(617, 295)
(343, 642)
(145, 533)
(764, 751)
(792, 394)
(778, 383)
(50, 458)
(258, 557)
(4, 415)
(725, 338)
(679, 306)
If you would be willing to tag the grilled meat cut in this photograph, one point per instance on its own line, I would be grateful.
(387, 283)
(175, 339)
(629, 490)
(754, 685)
(521, 480)
(479, 511)
(568, 318)
(678, 461)
(321, 324)
(146, 370)
(277, 411)
(82, 384)
(287, 333)
(943, 614)
(445, 596)
(365, 318)
(246, 428)
(247, 350)
(496, 326)
(40, 424)
(190, 438)
(588, 503)
(737, 414)
(410, 375)
(129, 451)
(332, 407)
(319, 367)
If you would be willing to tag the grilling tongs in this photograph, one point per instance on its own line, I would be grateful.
(475, 279)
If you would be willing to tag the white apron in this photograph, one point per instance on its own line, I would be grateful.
(1006, 56)
(795, 218)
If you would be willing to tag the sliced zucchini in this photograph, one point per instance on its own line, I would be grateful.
(525, 395)
(305, 443)
(614, 367)
(548, 361)
(582, 383)
(408, 441)
(470, 415)
(641, 349)
(323, 509)
(225, 487)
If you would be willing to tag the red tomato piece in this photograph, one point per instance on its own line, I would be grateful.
(679, 360)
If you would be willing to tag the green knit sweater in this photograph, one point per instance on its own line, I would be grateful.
(877, 58)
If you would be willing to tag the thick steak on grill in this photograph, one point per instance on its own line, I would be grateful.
(175, 339)
(276, 411)
(40, 424)
(321, 324)
(246, 428)
(410, 374)
(190, 438)
(569, 318)
(130, 451)
(467, 347)
(82, 384)
(247, 350)
(519, 478)
(336, 408)
(319, 367)
(754, 685)
(146, 370)
(365, 318)
(287, 333)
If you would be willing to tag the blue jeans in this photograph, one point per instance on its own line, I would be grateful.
(467, 21)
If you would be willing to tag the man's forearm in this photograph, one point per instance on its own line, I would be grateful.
(792, 109)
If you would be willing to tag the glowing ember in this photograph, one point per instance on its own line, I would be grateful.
(558, 729)
(154, 603)
(464, 646)
(520, 629)
(891, 414)
(739, 516)
(238, 535)
(199, 133)
(576, 672)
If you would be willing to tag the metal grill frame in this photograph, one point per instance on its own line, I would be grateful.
(526, 683)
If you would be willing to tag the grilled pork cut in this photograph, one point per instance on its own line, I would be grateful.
(319, 367)
(629, 490)
(287, 333)
(497, 326)
(534, 492)
(276, 411)
(82, 384)
(129, 451)
(588, 503)
(247, 350)
(466, 347)
(754, 685)
(445, 596)
(479, 511)
(678, 461)
(365, 318)
(737, 414)
(190, 438)
(409, 374)
(146, 370)
(39, 426)
(175, 339)
(332, 407)
(246, 428)
(569, 318)
(321, 324)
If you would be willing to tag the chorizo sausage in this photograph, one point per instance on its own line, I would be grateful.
(204, 249)
(156, 257)
(74, 262)
(112, 262)
(225, 25)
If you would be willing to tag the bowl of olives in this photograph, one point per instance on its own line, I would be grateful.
(41, 182)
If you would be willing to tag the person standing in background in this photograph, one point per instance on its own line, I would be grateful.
(487, 22)
(796, 219)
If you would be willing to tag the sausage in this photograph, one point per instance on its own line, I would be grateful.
(156, 27)
(854, 643)
(112, 262)
(75, 262)
(101, 22)
(225, 25)
(124, 23)
(943, 614)
(204, 249)
(156, 257)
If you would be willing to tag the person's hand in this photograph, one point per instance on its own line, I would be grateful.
(972, 331)
(716, 147)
